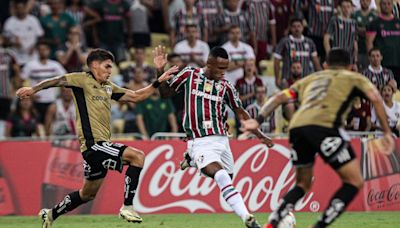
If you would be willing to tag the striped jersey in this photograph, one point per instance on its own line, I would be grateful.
(396, 9)
(261, 16)
(343, 33)
(7, 60)
(320, 13)
(239, 18)
(245, 86)
(210, 10)
(291, 49)
(204, 102)
(268, 126)
(183, 18)
(378, 77)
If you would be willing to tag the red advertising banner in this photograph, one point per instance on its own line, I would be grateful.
(41, 173)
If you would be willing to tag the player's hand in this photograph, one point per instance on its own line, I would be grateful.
(386, 144)
(249, 125)
(168, 74)
(25, 92)
(160, 57)
(267, 141)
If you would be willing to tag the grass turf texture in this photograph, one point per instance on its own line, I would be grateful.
(351, 220)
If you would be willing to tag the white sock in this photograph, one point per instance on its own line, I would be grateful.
(230, 194)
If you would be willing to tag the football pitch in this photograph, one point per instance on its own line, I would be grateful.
(350, 220)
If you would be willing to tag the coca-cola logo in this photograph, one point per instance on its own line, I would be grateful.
(259, 178)
(66, 168)
(389, 195)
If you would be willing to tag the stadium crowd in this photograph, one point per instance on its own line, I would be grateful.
(40, 39)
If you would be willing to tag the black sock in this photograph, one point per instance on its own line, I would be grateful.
(337, 205)
(288, 202)
(131, 182)
(69, 203)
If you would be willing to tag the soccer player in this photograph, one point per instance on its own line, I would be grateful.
(205, 95)
(92, 97)
(325, 98)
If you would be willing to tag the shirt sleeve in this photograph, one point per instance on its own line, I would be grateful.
(75, 79)
(26, 71)
(331, 27)
(206, 52)
(117, 92)
(279, 49)
(232, 97)
(179, 80)
(250, 52)
(38, 27)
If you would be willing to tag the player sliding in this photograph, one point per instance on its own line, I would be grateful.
(92, 95)
(325, 99)
(205, 95)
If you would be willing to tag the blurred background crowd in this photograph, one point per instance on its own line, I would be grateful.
(271, 44)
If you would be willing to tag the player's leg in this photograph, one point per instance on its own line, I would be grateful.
(351, 177)
(135, 160)
(303, 185)
(71, 201)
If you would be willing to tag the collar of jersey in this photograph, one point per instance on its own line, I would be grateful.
(375, 71)
(296, 39)
(91, 74)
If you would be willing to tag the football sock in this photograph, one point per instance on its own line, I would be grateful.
(287, 204)
(69, 203)
(131, 182)
(230, 194)
(337, 205)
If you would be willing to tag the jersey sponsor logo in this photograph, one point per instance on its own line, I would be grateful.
(205, 95)
(99, 98)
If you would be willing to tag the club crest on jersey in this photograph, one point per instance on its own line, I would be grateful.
(108, 89)
(208, 87)
(219, 87)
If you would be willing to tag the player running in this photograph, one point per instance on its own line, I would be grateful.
(205, 95)
(92, 97)
(317, 127)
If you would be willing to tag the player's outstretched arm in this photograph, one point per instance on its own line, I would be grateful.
(26, 92)
(142, 94)
(243, 115)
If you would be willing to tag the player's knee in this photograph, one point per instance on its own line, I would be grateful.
(140, 157)
(358, 183)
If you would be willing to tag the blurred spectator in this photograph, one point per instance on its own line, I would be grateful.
(319, 15)
(296, 73)
(177, 100)
(193, 51)
(4, 11)
(384, 33)
(260, 98)
(187, 15)
(392, 109)
(36, 71)
(238, 52)
(136, 83)
(210, 10)
(396, 9)
(363, 17)
(23, 122)
(110, 31)
(61, 116)
(247, 85)
(262, 17)
(73, 54)
(359, 118)
(295, 48)
(140, 24)
(233, 15)
(139, 61)
(84, 17)
(23, 31)
(341, 32)
(358, 5)
(155, 115)
(377, 74)
(169, 10)
(9, 79)
(57, 25)
(283, 10)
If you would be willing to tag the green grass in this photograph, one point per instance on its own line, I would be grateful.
(350, 220)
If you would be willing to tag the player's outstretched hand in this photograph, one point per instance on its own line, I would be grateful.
(160, 57)
(267, 141)
(249, 125)
(168, 74)
(25, 92)
(386, 144)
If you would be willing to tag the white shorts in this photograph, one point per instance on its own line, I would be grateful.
(206, 150)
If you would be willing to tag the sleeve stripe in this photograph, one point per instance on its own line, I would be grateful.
(290, 93)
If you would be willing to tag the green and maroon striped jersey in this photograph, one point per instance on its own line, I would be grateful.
(343, 33)
(319, 15)
(204, 102)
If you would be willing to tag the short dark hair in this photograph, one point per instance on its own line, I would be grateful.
(338, 57)
(99, 55)
(173, 55)
(295, 19)
(43, 42)
(20, 2)
(373, 49)
(219, 52)
(234, 27)
(349, 1)
(190, 26)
